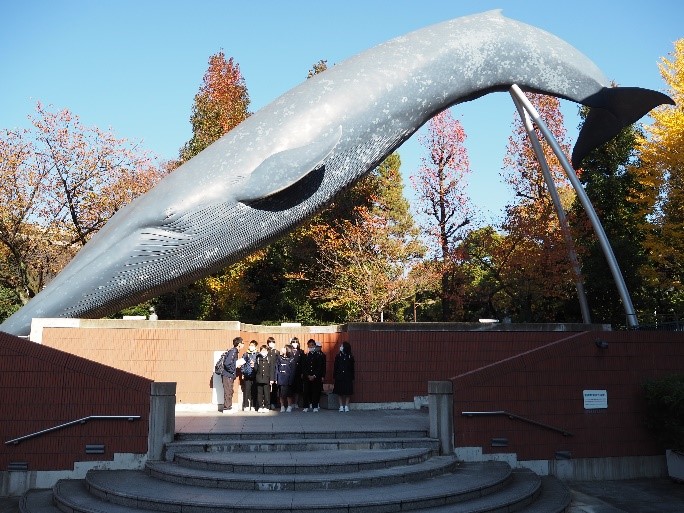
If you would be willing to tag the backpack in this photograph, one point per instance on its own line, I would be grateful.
(218, 368)
(248, 367)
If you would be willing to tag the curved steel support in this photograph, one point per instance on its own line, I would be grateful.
(562, 218)
(632, 321)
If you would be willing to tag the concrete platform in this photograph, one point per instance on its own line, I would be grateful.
(323, 421)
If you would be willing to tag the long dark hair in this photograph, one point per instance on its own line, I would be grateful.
(347, 348)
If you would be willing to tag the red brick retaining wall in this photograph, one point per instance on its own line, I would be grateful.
(41, 387)
(535, 374)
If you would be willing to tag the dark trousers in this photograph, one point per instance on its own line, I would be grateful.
(228, 385)
(312, 391)
(248, 393)
(263, 396)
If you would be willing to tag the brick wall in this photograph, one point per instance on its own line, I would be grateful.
(546, 384)
(41, 387)
(395, 364)
(536, 374)
(182, 352)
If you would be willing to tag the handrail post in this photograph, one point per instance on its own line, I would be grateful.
(441, 406)
(162, 419)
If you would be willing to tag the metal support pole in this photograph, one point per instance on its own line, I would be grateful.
(516, 92)
(562, 219)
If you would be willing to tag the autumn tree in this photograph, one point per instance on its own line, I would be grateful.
(364, 262)
(221, 104)
(538, 276)
(23, 262)
(440, 184)
(60, 182)
(662, 201)
(319, 67)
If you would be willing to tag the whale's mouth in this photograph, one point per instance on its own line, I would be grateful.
(611, 110)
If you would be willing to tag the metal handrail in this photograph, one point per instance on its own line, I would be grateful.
(514, 416)
(16, 441)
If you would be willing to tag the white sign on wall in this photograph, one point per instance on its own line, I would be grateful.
(595, 399)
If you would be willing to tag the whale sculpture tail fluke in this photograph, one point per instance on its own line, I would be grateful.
(610, 110)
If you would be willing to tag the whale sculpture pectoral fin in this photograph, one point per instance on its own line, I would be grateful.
(285, 168)
(612, 109)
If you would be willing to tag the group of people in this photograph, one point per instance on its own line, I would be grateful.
(270, 378)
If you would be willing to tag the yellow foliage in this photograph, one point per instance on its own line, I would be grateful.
(662, 176)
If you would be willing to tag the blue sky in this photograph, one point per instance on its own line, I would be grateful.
(135, 66)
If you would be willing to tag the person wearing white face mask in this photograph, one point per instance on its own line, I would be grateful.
(297, 356)
(285, 373)
(344, 375)
(313, 372)
(264, 377)
(273, 354)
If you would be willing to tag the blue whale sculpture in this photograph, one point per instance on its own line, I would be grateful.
(291, 158)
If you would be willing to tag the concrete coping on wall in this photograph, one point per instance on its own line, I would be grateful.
(475, 326)
(275, 329)
(38, 324)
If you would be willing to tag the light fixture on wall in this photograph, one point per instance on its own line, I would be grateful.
(601, 344)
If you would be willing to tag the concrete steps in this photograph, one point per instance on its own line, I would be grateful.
(288, 445)
(296, 482)
(303, 462)
(355, 472)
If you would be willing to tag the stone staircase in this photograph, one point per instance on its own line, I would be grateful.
(332, 472)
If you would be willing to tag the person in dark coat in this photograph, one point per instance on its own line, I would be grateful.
(313, 372)
(344, 375)
(247, 373)
(264, 377)
(273, 353)
(286, 368)
(297, 356)
(229, 373)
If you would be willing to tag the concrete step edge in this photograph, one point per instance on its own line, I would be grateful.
(301, 462)
(173, 448)
(135, 489)
(303, 482)
(264, 435)
(522, 491)
(555, 497)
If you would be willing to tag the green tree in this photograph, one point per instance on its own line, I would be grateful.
(364, 263)
(610, 177)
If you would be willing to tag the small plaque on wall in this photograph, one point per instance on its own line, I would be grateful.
(595, 399)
